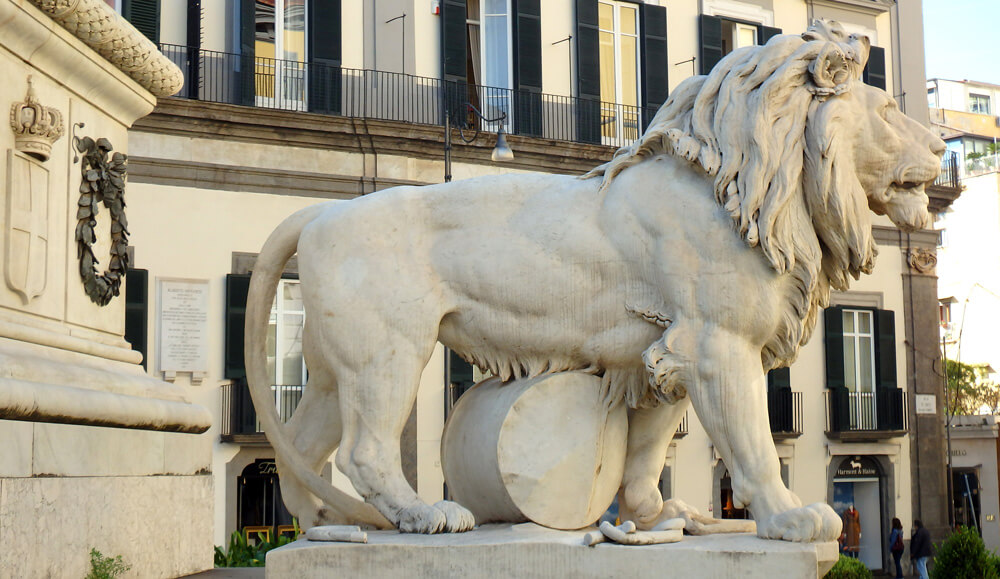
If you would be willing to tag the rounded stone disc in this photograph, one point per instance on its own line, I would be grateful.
(543, 449)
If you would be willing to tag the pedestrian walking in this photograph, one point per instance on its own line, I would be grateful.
(920, 548)
(896, 546)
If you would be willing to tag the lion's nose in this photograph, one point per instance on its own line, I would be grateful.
(937, 146)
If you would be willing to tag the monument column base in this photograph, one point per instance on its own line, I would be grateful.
(528, 550)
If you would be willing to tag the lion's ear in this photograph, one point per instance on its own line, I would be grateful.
(829, 71)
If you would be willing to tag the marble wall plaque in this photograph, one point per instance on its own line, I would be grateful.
(926, 404)
(182, 317)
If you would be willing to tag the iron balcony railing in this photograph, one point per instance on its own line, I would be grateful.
(950, 176)
(682, 428)
(333, 90)
(238, 413)
(784, 409)
(882, 410)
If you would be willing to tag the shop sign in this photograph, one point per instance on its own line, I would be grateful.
(267, 467)
(858, 466)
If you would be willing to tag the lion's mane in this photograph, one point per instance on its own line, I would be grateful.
(764, 125)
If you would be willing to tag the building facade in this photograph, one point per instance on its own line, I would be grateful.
(290, 102)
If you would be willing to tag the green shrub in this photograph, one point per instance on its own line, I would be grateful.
(848, 568)
(963, 555)
(102, 567)
(242, 553)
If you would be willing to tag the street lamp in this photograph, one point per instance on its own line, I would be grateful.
(501, 152)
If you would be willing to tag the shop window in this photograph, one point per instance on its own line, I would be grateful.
(966, 499)
(258, 499)
(859, 498)
(979, 103)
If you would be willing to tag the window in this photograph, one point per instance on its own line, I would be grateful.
(285, 362)
(143, 14)
(737, 35)
(932, 98)
(861, 370)
(721, 35)
(280, 53)
(619, 62)
(859, 351)
(979, 103)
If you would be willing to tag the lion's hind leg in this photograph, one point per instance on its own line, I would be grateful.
(376, 397)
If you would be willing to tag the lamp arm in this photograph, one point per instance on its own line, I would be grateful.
(482, 117)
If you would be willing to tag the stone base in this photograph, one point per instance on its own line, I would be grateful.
(527, 550)
(160, 525)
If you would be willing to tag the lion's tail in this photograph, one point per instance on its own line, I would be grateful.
(278, 249)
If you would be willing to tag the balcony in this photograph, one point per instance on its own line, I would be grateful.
(863, 416)
(239, 418)
(682, 428)
(369, 94)
(784, 409)
(948, 186)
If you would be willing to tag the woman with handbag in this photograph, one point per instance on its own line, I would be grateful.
(896, 545)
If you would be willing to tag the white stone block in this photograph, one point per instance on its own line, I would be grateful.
(528, 551)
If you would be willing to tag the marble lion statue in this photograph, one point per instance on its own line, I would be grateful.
(680, 272)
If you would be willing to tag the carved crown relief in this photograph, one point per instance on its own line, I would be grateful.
(36, 127)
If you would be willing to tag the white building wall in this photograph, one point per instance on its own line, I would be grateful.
(969, 271)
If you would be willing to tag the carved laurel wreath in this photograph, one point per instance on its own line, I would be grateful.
(103, 182)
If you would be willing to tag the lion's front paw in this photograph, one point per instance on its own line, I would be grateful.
(814, 523)
(458, 518)
(443, 517)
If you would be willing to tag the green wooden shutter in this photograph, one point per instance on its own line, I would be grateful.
(653, 26)
(454, 58)
(145, 16)
(137, 310)
(246, 67)
(765, 33)
(779, 400)
(528, 67)
(833, 334)
(710, 52)
(885, 349)
(325, 39)
(779, 378)
(888, 397)
(192, 72)
(588, 72)
(237, 286)
(874, 73)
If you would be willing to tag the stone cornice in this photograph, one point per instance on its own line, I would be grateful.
(873, 7)
(925, 238)
(199, 119)
(111, 36)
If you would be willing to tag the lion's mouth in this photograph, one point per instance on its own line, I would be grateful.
(907, 205)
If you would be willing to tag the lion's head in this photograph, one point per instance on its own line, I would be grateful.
(800, 151)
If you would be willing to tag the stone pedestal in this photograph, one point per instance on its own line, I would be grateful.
(94, 453)
(529, 551)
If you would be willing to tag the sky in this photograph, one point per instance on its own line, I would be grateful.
(957, 39)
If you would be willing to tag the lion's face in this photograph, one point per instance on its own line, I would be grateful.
(895, 157)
